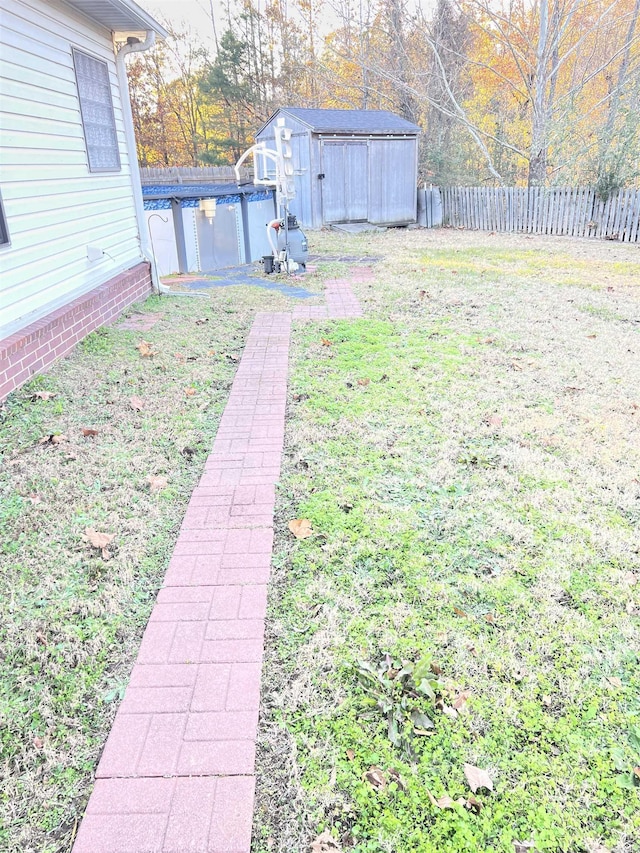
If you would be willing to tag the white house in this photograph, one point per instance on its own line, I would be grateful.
(73, 250)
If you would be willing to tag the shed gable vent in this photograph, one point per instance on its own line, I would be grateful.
(96, 108)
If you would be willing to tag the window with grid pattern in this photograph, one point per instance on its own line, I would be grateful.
(96, 107)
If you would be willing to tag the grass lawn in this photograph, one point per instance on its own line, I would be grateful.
(468, 455)
(73, 614)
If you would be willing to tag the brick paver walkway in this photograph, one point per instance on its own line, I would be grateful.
(177, 772)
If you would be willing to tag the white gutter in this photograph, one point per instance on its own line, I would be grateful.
(130, 137)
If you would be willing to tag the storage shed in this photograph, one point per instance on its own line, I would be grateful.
(350, 165)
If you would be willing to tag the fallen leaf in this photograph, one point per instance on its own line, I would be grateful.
(490, 618)
(53, 438)
(179, 355)
(495, 421)
(40, 638)
(375, 777)
(211, 352)
(592, 336)
(448, 711)
(472, 804)
(89, 432)
(364, 382)
(34, 499)
(189, 391)
(394, 776)
(461, 700)
(44, 395)
(435, 669)
(516, 366)
(477, 778)
(350, 754)
(38, 742)
(145, 349)
(324, 843)
(460, 613)
(97, 539)
(614, 681)
(442, 802)
(157, 483)
(301, 528)
(326, 342)
(473, 651)
(636, 772)
(487, 341)
(136, 403)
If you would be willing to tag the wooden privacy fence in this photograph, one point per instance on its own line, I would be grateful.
(569, 211)
(429, 207)
(189, 174)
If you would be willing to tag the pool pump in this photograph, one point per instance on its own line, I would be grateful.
(290, 249)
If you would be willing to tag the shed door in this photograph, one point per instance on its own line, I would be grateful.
(346, 180)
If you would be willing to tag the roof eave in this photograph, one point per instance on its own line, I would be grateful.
(282, 110)
(376, 131)
(121, 16)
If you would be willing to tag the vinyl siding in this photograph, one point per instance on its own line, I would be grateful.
(54, 205)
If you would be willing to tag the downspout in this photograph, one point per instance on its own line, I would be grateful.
(135, 46)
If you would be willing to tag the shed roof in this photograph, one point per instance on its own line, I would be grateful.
(119, 15)
(350, 121)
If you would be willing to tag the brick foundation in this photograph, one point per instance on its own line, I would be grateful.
(37, 346)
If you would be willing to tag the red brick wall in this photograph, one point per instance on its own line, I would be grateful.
(35, 348)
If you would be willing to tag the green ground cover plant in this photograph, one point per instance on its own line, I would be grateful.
(99, 458)
(467, 456)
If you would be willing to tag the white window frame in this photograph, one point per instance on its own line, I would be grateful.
(5, 239)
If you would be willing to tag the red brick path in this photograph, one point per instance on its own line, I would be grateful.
(177, 772)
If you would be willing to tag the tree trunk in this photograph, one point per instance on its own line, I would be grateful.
(539, 143)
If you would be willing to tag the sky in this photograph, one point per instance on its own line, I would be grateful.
(195, 14)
